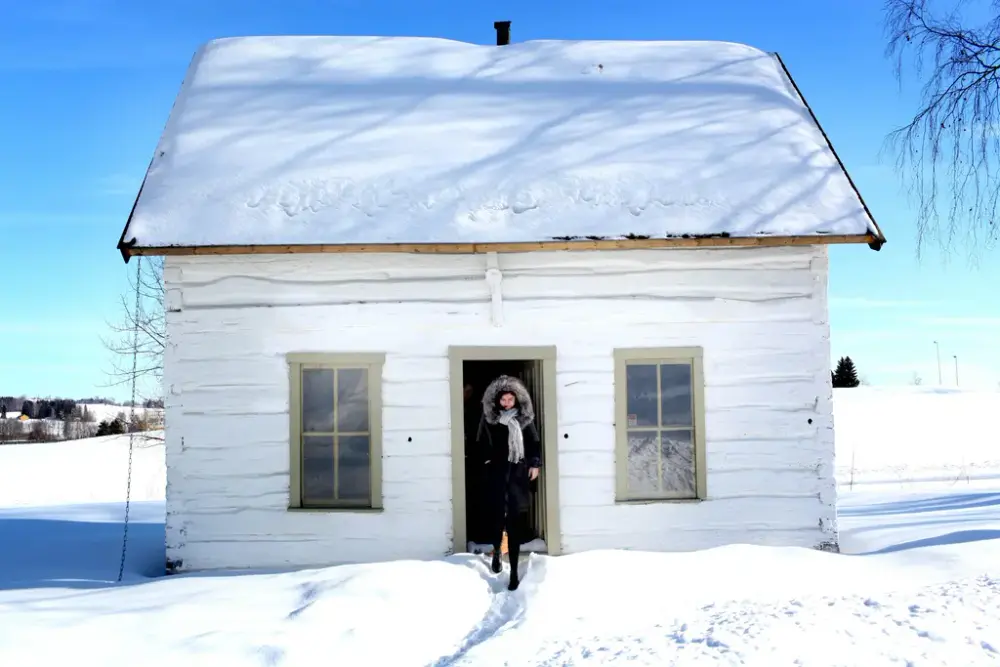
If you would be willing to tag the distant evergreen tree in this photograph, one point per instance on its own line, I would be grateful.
(63, 407)
(114, 427)
(846, 374)
(43, 409)
(28, 409)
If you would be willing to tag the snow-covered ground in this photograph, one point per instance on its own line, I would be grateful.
(918, 583)
(911, 434)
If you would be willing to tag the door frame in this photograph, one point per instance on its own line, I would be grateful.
(457, 355)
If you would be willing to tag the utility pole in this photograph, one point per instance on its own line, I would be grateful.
(955, 356)
(938, 348)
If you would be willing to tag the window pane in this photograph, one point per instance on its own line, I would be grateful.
(317, 468)
(643, 464)
(641, 398)
(354, 468)
(352, 400)
(675, 388)
(317, 400)
(677, 451)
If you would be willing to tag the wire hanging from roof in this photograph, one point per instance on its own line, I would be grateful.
(131, 424)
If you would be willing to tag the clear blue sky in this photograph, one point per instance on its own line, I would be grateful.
(86, 86)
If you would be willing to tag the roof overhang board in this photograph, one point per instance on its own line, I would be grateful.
(478, 248)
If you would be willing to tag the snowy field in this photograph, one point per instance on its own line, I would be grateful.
(918, 583)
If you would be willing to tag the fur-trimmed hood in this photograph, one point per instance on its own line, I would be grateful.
(502, 385)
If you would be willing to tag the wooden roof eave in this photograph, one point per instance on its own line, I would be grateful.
(131, 248)
(126, 247)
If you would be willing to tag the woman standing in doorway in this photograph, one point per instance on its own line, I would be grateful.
(509, 443)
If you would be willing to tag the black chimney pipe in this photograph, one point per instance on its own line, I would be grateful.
(503, 32)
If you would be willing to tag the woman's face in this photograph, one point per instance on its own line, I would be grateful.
(507, 401)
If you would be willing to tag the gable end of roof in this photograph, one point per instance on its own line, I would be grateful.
(879, 237)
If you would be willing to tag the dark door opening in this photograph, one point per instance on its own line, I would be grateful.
(476, 377)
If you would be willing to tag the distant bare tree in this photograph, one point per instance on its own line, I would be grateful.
(39, 432)
(10, 430)
(141, 333)
(949, 151)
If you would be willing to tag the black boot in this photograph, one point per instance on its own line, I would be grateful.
(514, 552)
(495, 565)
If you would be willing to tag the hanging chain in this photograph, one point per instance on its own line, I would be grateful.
(131, 424)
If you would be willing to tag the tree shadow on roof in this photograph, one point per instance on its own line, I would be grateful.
(298, 100)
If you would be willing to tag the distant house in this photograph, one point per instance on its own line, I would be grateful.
(355, 229)
(23, 417)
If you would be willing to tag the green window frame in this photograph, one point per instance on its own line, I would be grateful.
(335, 415)
(659, 425)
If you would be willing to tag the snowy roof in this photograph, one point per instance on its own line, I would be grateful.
(400, 140)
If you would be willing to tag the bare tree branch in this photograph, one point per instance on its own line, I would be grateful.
(149, 322)
(949, 150)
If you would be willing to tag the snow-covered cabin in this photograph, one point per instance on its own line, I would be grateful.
(360, 231)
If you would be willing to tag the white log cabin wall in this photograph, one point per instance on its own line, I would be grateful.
(759, 313)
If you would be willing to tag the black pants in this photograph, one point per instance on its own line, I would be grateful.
(508, 515)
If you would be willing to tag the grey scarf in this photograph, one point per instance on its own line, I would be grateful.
(515, 439)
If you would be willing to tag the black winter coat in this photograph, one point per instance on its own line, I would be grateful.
(507, 484)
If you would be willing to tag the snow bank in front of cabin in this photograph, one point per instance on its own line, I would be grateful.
(402, 613)
(727, 605)
(746, 605)
(910, 434)
(278, 140)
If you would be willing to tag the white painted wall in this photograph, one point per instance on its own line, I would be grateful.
(760, 314)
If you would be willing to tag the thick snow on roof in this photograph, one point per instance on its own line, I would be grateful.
(299, 140)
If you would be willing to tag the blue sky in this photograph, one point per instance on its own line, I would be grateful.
(88, 84)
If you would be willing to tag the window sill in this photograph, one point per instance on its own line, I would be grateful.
(660, 501)
(336, 510)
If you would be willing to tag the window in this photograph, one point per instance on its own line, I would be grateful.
(659, 424)
(336, 424)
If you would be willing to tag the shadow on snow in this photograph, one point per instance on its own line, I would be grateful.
(939, 503)
(958, 537)
(65, 553)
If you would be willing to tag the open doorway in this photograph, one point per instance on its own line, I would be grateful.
(473, 370)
